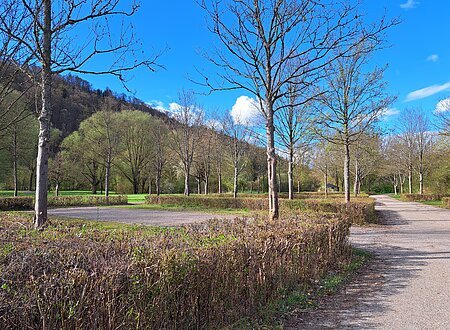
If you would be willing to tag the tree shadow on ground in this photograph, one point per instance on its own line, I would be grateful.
(358, 303)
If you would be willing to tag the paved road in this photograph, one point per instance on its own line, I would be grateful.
(408, 284)
(137, 216)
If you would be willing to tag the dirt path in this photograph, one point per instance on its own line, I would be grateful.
(407, 286)
(135, 216)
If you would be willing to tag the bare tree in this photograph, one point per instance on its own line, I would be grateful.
(366, 158)
(419, 125)
(206, 154)
(185, 132)
(237, 141)
(44, 31)
(294, 129)
(407, 134)
(322, 161)
(159, 134)
(355, 99)
(260, 39)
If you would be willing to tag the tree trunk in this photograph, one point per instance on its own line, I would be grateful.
(14, 150)
(186, 180)
(298, 186)
(40, 208)
(107, 174)
(57, 189)
(291, 173)
(135, 185)
(30, 182)
(199, 189)
(326, 182)
(347, 172)
(356, 183)
(235, 181)
(158, 184)
(271, 165)
(219, 180)
(410, 179)
(421, 182)
(206, 184)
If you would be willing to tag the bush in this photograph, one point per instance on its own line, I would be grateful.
(74, 276)
(16, 203)
(63, 201)
(27, 203)
(446, 202)
(359, 211)
(423, 197)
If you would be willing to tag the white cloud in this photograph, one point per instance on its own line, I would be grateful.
(158, 105)
(427, 91)
(443, 106)
(389, 112)
(433, 58)
(409, 4)
(245, 110)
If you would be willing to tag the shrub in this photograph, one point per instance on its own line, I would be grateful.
(63, 201)
(423, 197)
(27, 203)
(360, 211)
(446, 202)
(74, 276)
(16, 203)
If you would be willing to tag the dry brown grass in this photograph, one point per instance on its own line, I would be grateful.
(75, 275)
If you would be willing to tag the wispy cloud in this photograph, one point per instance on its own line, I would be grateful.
(433, 58)
(427, 91)
(443, 106)
(409, 4)
(389, 112)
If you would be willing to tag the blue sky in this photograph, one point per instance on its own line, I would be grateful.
(418, 56)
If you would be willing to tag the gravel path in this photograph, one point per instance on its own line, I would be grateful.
(135, 216)
(407, 286)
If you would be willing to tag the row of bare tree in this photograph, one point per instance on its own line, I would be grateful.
(287, 53)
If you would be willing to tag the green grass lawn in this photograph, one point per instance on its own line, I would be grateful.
(433, 203)
(132, 198)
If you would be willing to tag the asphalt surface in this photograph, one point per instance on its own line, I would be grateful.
(135, 216)
(406, 286)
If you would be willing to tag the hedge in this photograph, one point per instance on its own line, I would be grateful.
(360, 211)
(72, 276)
(27, 203)
(423, 197)
(16, 203)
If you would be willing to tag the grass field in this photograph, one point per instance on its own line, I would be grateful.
(172, 207)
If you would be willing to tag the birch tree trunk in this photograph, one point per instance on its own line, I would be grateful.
(235, 181)
(40, 207)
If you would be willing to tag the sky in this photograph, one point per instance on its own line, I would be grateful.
(418, 56)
